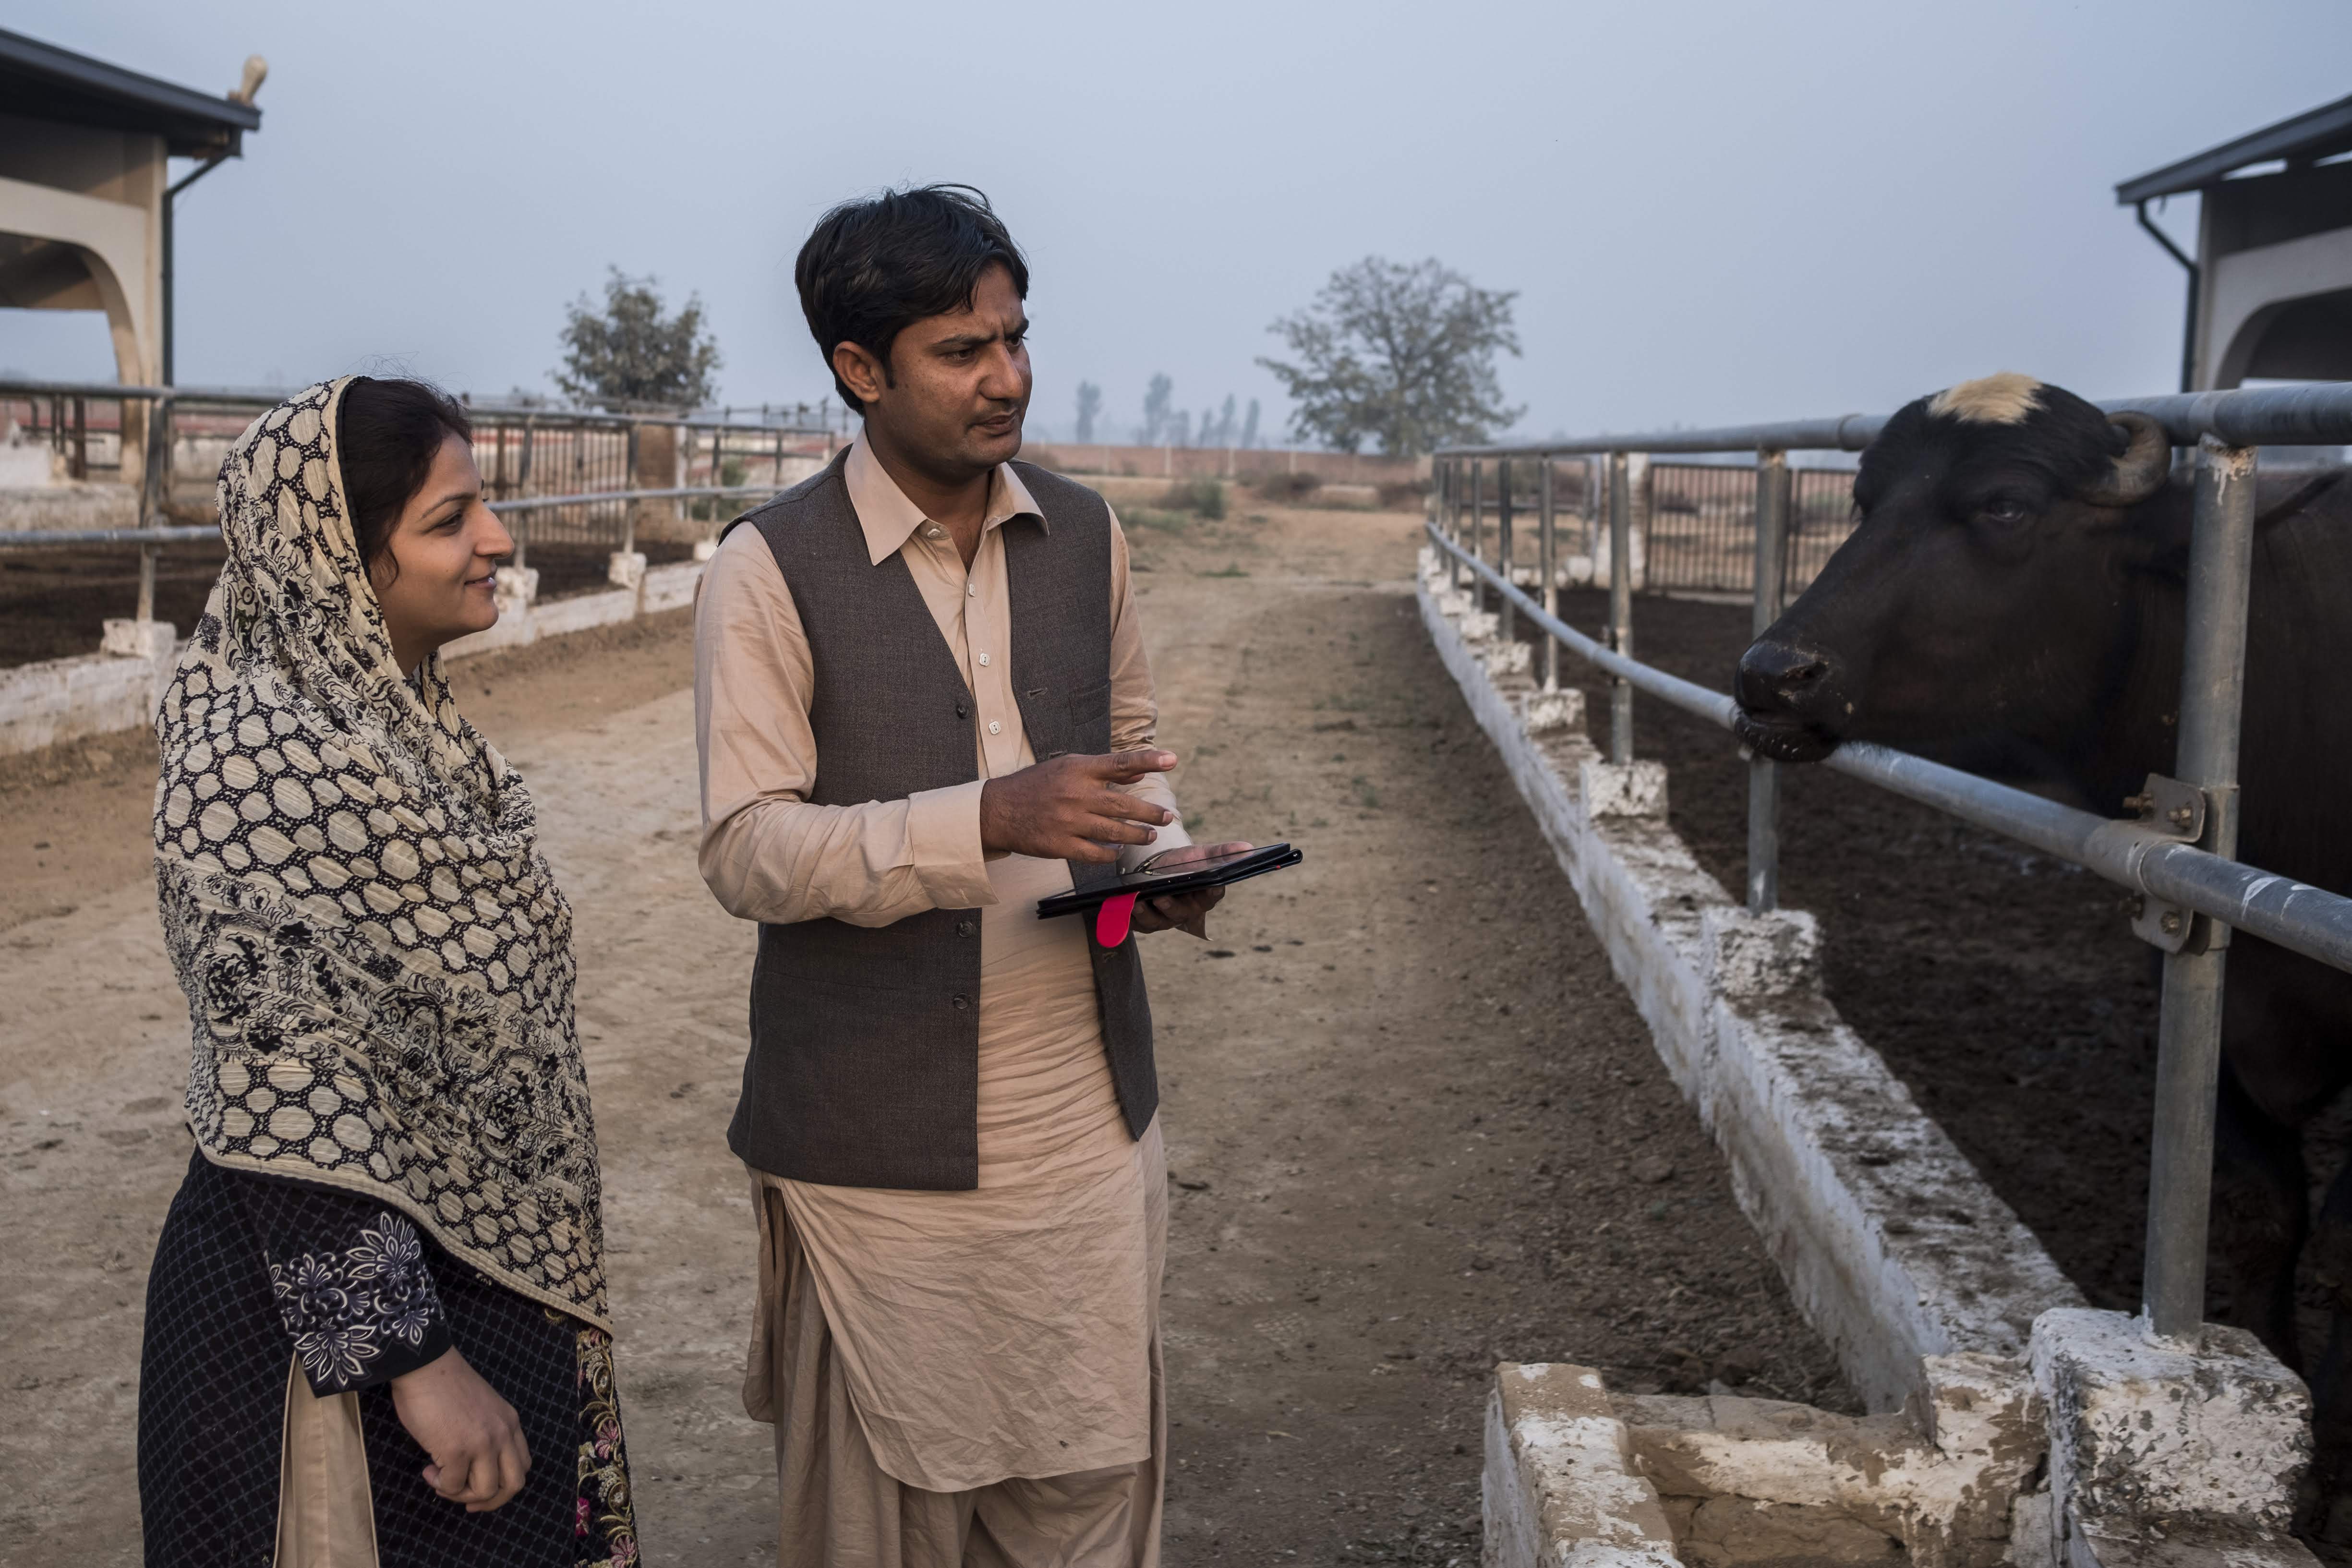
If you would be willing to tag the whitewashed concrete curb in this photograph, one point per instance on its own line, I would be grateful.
(1892, 1247)
(104, 694)
(1561, 1489)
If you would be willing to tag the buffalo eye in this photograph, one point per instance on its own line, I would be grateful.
(2005, 509)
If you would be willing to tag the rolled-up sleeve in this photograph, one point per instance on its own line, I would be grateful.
(768, 853)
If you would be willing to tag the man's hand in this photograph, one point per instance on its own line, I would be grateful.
(1187, 911)
(479, 1457)
(1067, 809)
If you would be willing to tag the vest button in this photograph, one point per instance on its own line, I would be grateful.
(963, 709)
(967, 927)
(962, 1004)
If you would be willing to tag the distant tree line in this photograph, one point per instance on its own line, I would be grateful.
(1165, 425)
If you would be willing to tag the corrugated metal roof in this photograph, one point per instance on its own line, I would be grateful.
(41, 81)
(2316, 134)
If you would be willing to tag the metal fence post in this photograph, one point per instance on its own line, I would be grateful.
(155, 496)
(1621, 608)
(522, 487)
(2188, 1036)
(1547, 556)
(1509, 627)
(1763, 776)
(1477, 529)
(629, 509)
(1454, 519)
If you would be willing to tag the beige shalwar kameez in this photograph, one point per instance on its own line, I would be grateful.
(956, 1378)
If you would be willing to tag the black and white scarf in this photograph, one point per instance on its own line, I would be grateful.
(377, 960)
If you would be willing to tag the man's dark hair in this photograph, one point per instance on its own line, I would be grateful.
(872, 268)
(387, 433)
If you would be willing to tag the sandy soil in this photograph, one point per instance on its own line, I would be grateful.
(1415, 1126)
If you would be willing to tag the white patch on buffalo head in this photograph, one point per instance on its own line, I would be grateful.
(2005, 398)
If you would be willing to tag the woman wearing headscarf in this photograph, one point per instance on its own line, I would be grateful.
(376, 1325)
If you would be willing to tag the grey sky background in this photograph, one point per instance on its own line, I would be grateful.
(1713, 210)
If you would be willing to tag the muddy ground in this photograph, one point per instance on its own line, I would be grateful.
(1415, 1125)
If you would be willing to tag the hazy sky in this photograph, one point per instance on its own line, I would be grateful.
(1712, 211)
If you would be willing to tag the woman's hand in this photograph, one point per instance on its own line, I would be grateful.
(1185, 911)
(474, 1436)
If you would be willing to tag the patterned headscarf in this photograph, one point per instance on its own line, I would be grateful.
(377, 962)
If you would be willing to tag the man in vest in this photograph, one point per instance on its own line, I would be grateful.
(922, 705)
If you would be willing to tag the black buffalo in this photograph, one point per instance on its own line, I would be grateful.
(2011, 601)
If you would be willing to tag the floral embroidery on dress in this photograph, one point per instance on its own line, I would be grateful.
(338, 1305)
(606, 1519)
(391, 1258)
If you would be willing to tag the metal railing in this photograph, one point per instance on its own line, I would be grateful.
(595, 458)
(2180, 860)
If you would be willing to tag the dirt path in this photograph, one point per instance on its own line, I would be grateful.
(1415, 1125)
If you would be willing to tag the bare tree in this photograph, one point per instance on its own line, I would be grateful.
(1249, 426)
(1089, 405)
(1155, 409)
(1402, 355)
(631, 353)
(1180, 429)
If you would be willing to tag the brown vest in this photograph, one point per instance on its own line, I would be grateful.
(864, 1063)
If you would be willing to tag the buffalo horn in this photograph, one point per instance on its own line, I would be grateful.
(2140, 469)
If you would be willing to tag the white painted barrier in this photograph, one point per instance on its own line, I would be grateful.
(1892, 1247)
(98, 694)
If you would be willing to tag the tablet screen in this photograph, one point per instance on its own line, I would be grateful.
(1188, 867)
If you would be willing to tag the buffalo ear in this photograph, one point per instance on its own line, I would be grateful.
(2142, 467)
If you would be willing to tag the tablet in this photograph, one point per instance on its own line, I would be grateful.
(1119, 897)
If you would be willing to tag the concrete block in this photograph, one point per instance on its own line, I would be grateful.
(668, 587)
(1559, 1488)
(2154, 1443)
(1480, 626)
(1506, 657)
(137, 639)
(1751, 1480)
(1746, 956)
(515, 588)
(1545, 711)
(582, 612)
(705, 549)
(626, 569)
(1629, 789)
(1453, 602)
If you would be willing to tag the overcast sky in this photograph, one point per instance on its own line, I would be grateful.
(1711, 211)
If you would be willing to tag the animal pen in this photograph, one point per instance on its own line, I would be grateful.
(605, 507)
(1895, 1309)
(575, 478)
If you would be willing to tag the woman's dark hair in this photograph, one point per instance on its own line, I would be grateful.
(387, 433)
(872, 268)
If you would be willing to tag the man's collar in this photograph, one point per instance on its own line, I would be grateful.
(888, 518)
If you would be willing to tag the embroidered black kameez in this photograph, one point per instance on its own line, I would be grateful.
(255, 1271)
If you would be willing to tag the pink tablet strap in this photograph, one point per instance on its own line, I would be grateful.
(1111, 920)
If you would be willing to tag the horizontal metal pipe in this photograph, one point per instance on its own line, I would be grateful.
(1845, 433)
(2297, 917)
(683, 492)
(134, 536)
(35, 539)
(2246, 416)
(264, 396)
